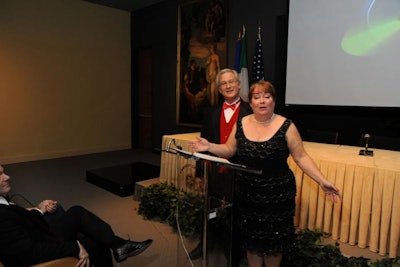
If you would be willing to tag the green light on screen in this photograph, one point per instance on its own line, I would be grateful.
(363, 42)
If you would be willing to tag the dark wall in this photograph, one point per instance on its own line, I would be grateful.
(156, 27)
(349, 122)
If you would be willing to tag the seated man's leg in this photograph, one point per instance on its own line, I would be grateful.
(52, 218)
(78, 220)
(100, 256)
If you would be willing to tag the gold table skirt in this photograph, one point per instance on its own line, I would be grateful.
(368, 215)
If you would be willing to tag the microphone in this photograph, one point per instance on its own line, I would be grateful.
(366, 137)
(169, 149)
(177, 146)
(172, 142)
(366, 152)
(169, 145)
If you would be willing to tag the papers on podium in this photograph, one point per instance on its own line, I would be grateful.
(197, 155)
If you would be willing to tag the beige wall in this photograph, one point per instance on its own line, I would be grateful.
(64, 79)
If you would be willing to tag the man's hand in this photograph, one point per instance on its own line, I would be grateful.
(83, 257)
(48, 206)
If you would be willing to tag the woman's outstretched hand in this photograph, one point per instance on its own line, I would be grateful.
(201, 144)
(332, 193)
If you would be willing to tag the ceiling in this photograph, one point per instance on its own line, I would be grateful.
(129, 5)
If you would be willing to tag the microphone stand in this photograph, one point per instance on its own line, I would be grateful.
(366, 152)
(177, 149)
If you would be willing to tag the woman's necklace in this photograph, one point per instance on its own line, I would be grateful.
(266, 121)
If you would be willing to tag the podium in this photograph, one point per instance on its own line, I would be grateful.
(368, 216)
(204, 210)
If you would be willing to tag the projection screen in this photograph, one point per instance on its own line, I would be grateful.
(344, 53)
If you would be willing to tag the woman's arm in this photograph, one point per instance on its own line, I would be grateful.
(308, 166)
(226, 150)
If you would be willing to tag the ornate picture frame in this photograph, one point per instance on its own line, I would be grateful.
(201, 54)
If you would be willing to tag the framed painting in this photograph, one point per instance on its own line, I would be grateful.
(200, 56)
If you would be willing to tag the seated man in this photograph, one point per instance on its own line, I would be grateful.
(27, 238)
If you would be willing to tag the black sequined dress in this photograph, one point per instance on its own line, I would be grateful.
(265, 204)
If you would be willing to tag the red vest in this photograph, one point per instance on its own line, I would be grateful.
(226, 128)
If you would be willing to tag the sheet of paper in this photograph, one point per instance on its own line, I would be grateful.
(197, 155)
(212, 158)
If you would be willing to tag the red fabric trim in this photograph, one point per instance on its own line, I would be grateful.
(226, 128)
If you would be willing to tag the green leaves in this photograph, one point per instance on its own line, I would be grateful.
(310, 252)
(160, 202)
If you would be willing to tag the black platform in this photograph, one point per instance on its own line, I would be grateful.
(121, 179)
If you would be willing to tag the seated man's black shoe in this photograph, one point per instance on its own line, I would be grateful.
(197, 252)
(130, 248)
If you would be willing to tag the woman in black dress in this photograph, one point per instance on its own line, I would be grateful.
(265, 203)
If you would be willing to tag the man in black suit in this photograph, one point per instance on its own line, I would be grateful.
(228, 83)
(27, 238)
(218, 121)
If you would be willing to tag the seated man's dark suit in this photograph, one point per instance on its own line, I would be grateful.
(27, 239)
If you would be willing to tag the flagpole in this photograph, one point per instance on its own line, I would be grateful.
(258, 66)
(243, 75)
(237, 52)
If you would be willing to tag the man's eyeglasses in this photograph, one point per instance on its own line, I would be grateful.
(226, 83)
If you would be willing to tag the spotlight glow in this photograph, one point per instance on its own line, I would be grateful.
(365, 41)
